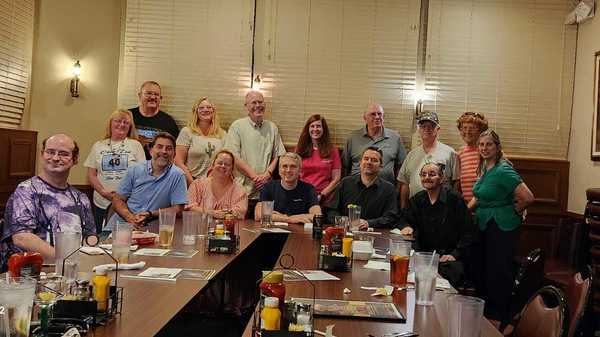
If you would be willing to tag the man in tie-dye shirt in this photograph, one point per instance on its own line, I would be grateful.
(46, 204)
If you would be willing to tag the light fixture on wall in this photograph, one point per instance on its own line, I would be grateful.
(256, 83)
(418, 107)
(74, 87)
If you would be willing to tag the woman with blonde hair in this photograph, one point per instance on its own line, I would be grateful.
(109, 159)
(217, 194)
(199, 140)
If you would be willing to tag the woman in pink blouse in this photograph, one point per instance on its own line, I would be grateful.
(217, 194)
(321, 165)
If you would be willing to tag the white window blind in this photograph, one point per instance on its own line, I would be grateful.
(332, 57)
(193, 48)
(511, 60)
(16, 43)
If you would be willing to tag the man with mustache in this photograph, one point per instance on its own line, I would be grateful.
(46, 204)
(374, 134)
(376, 197)
(150, 186)
(431, 150)
(148, 118)
(441, 222)
(256, 144)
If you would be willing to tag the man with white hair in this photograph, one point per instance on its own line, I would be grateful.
(256, 143)
(374, 134)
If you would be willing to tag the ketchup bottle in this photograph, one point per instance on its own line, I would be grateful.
(272, 286)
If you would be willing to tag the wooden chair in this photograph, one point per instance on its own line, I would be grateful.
(545, 315)
(578, 295)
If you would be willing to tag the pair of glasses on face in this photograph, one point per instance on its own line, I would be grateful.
(61, 154)
(151, 94)
(428, 174)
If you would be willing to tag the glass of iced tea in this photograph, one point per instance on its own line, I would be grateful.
(399, 260)
(166, 228)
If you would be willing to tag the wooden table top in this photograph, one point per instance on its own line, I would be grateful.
(148, 305)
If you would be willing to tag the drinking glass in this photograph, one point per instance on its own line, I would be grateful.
(202, 229)
(190, 220)
(354, 218)
(465, 314)
(16, 302)
(166, 228)
(66, 243)
(399, 258)
(426, 267)
(121, 241)
(266, 213)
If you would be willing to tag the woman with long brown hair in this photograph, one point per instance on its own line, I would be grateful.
(321, 164)
(499, 199)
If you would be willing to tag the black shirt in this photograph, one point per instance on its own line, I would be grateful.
(446, 226)
(290, 202)
(148, 127)
(378, 202)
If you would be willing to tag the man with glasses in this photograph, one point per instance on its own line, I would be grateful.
(39, 206)
(376, 197)
(374, 134)
(148, 118)
(256, 143)
(431, 150)
(150, 186)
(441, 222)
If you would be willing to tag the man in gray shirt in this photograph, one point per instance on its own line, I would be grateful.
(430, 151)
(374, 134)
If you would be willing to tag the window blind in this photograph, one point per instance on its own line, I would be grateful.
(333, 57)
(512, 60)
(16, 43)
(193, 48)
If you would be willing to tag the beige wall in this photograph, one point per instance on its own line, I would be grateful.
(584, 173)
(65, 31)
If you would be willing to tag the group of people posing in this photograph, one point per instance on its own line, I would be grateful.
(466, 205)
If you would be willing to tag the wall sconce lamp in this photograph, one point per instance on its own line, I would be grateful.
(74, 87)
(418, 108)
(256, 83)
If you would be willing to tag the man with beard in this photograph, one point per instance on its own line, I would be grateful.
(40, 206)
(441, 222)
(148, 118)
(376, 197)
(256, 144)
(293, 200)
(150, 186)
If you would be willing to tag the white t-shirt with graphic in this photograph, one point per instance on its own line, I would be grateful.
(112, 159)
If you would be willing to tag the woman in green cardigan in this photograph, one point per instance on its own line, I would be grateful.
(500, 198)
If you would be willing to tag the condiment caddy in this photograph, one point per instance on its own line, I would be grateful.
(223, 237)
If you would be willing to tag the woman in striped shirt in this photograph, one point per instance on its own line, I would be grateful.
(470, 125)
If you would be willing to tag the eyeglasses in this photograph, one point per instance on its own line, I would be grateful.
(428, 174)
(61, 154)
(151, 94)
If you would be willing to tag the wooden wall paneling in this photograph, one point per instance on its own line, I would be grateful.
(18, 150)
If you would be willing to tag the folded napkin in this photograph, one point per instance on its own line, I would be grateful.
(122, 266)
(91, 250)
(440, 282)
(378, 265)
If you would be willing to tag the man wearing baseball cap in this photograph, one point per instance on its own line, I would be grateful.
(431, 150)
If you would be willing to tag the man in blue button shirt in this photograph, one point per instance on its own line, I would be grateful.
(148, 187)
